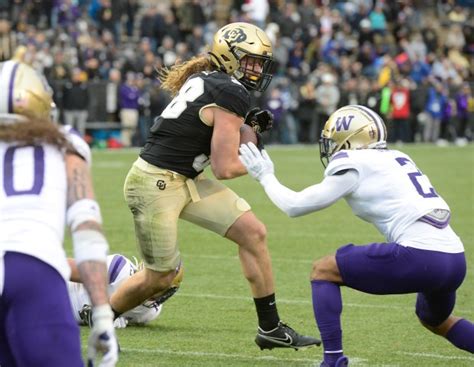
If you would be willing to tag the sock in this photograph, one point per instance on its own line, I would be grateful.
(267, 312)
(327, 307)
(116, 313)
(461, 335)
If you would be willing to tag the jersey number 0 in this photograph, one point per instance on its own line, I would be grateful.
(9, 173)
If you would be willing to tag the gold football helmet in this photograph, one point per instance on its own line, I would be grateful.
(23, 92)
(352, 127)
(245, 52)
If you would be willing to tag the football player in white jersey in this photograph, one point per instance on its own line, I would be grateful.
(119, 268)
(422, 254)
(45, 184)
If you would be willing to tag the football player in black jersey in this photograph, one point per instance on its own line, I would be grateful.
(200, 126)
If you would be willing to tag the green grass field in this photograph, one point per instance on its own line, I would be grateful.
(211, 321)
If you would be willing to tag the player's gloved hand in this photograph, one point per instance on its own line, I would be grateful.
(258, 163)
(102, 338)
(259, 120)
(120, 323)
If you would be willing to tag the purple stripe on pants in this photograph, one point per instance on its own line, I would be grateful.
(37, 327)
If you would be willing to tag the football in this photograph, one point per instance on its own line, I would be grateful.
(247, 135)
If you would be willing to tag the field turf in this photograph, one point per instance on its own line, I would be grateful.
(211, 321)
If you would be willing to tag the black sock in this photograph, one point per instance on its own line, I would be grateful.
(267, 312)
(116, 314)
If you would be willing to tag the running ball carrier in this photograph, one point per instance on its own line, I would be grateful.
(201, 127)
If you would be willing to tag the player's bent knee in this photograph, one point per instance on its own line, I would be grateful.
(319, 270)
(260, 232)
(325, 269)
(255, 233)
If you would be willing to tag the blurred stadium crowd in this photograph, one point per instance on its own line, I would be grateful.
(412, 61)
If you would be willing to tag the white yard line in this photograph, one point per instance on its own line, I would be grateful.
(316, 359)
(353, 360)
(437, 356)
(305, 302)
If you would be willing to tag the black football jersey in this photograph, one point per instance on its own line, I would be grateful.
(179, 140)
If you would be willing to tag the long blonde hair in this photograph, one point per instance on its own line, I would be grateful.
(173, 78)
(31, 132)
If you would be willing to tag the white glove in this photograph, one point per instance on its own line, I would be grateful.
(102, 338)
(258, 163)
(120, 323)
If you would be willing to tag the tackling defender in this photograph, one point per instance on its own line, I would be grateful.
(200, 127)
(422, 254)
(119, 269)
(45, 184)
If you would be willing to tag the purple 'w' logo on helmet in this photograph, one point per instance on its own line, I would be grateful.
(343, 122)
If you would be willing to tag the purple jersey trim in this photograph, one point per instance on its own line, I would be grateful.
(436, 223)
(340, 155)
(73, 131)
(117, 264)
(10, 89)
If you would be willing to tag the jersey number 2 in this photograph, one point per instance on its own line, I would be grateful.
(189, 92)
(418, 179)
(38, 172)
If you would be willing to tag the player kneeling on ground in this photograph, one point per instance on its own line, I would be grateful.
(119, 269)
(422, 254)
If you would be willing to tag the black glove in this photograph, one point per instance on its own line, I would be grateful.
(259, 120)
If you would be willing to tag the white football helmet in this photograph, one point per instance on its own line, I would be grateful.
(23, 92)
(352, 127)
(244, 51)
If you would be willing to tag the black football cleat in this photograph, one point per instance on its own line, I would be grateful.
(85, 315)
(284, 336)
(166, 295)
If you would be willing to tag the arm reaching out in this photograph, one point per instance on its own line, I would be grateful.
(90, 250)
(313, 198)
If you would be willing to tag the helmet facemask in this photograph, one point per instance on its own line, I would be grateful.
(328, 147)
(255, 71)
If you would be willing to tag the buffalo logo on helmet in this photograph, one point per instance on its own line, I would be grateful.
(235, 35)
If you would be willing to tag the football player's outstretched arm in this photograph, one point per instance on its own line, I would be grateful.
(225, 161)
(90, 252)
(83, 217)
(313, 198)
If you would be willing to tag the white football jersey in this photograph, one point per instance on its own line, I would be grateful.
(393, 194)
(33, 203)
(33, 189)
(119, 268)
